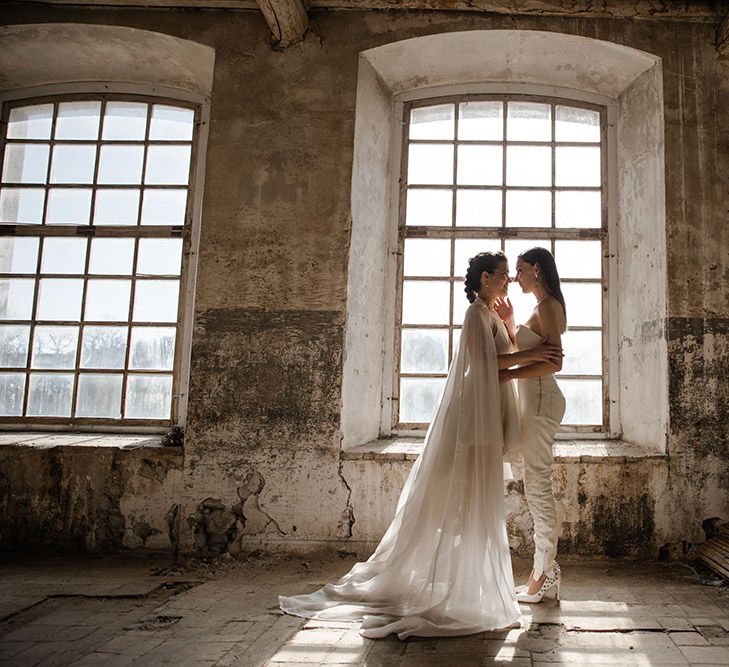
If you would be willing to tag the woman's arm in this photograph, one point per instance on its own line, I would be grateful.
(544, 352)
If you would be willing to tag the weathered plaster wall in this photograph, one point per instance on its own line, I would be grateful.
(261, 460)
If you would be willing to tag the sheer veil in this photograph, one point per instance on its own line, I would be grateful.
(443, 566)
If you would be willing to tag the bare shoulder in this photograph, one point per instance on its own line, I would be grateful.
(550, 310)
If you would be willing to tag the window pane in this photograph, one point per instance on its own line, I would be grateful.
(25, 163)
(50, 395)
(116, 207)
(73, 163)
(578, 209)
(78, 120)
(18, 255)
(68, 206)
(460, 302)
(584, 304)
(478, 208)
(577, 165)
(148, 397)
(578, 259)
(125, 120)
(427, 257)
(456, 336)
(16, 299)
(164, 207)
(529, 121)
(156, 300)
(99, 396)
(33, 122)
(480, 165)
(419, 398)
(481, 120)
(436, 122)
(528, 208)
(104, 347)
(63, 255)
(582, 352)
(108, 300)
(528, 165)
(429, 207)
(12, 389)
(430, 164)
(159, 257)
(573, 124)
(467, 248)
(171, 123)
(14, 345)
(167, 165)
(54, 347)
(60, 299)
(121, 164)
(153, 348)
(584, 401)
(515, 247)
(425, 302)
(424, 351)
(112, 256)
(22, 205)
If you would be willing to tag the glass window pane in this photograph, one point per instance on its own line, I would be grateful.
(584, 401)
(68, 206)
(19, 255)
(16, 299)
(73, 163)
(164, 207)
(159, 257)
(514, 247)
(12, 389)
(148, 397)
(153, 348)
(467, 248)
(584, 304)
(528, 165)
(25, 163)
(112, 256)
(573, 124)
(418, 399)
(480, 165)
(99, 395)
(429, 207)
(121, 165)
(78, 120)
(578, 209)
(63, 255)
(456, 337)
(529, 121)
(14, 345)
(481, 120)
(427, 257)
(125, 120)
(425, 302)
(430, 164)
(478, 208)
(577, 165)
(50, 395)
(460, 302)
(108, 300)
(582, 352)
(33, 122)
(22, 205)
(171, 123)
(54, 347)
(578, 259)
(116, 207)
(424, 351)
(167, 165)
(528, 208)
(156, 300)
(436, 122)
(60, 299)
(104, 347)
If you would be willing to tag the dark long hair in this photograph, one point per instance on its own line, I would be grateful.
(484, 261)
(546, 262)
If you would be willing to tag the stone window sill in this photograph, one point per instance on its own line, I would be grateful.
(50, 439)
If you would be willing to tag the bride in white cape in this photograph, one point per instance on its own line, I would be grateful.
(443, 566)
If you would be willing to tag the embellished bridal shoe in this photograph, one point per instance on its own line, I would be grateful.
(553, 580)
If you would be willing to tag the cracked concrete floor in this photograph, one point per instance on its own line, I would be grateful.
(132, 610)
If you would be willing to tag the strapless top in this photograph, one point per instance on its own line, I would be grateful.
(526, 339)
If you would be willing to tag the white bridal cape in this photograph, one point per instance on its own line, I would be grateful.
(443, 566)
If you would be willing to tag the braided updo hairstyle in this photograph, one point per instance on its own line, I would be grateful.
(484, 261)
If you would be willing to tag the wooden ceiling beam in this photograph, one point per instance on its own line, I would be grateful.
(287, 20)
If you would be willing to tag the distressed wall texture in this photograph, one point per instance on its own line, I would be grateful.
(262, 453)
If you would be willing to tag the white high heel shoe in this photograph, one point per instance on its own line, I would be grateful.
(553, 580)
